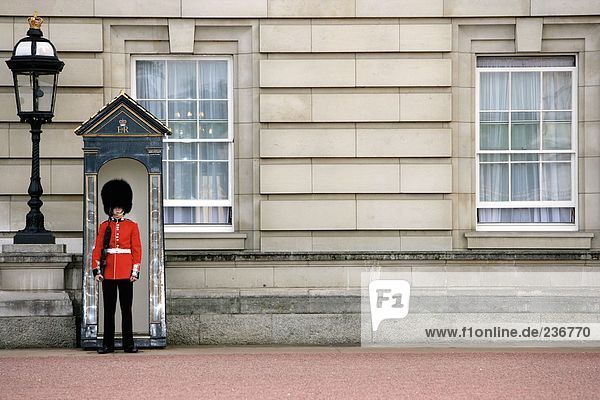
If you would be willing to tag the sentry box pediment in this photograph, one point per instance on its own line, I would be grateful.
(122, 129)
(122, 117)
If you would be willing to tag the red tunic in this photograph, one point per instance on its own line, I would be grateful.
(125, 250)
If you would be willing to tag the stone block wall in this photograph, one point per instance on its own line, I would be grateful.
(354, 131)
(342, 108)
(317, 299)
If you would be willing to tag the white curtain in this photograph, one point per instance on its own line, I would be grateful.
(557, 181)
(525, 182)
(557, 90)
(150, 82)
(182, 79)
(213, 80)
(525, 91)
(198, 215)
(526, 215)
(493, 92)
(195, 94)
(493, 178)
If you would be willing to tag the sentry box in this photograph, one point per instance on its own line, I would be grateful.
(124, 140)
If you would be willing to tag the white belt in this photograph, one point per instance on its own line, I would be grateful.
(118, 251)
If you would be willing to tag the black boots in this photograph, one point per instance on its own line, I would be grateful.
(105, 350)
(130, 349)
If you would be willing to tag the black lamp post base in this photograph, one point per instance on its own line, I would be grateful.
(23, 237)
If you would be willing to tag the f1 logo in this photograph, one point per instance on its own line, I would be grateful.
(389, 299)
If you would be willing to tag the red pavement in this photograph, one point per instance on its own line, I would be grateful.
(300, 373)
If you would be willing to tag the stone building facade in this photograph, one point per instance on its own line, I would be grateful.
(349, 135)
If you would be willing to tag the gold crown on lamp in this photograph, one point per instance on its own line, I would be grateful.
(36, 21)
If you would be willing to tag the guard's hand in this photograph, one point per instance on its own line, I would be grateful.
(132, 279)
(99, 278)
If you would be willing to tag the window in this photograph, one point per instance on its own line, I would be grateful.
(526, 143)
(193, 98)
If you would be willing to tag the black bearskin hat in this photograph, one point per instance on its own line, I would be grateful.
(116, 193)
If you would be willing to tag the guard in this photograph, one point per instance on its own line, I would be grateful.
(116, 260)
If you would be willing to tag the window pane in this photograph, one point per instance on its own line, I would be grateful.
(556, 131)
(557, 136)
(493, 91)
(525, 157)
(150, 82)
(493, 117)
(213, 109)
(213, 130)
(213, 80)
(525, 131)
(183, 129)
(181, 110)
(525, 90)
(557, 181)
(565, 215)
(197, 215)
(556, 157)
(493, 131)
(182, 79)
(156, 108)
(493, 182)
(525, 183)
(557, 90)
(182, 151)
(214, 151)
(525, 61)
(493, 157)
(183, 180)
(214, 180)
(493, 137)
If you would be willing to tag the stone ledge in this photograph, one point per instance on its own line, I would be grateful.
(35, 304)
(529, 240)
(34, 248)
(179, 256)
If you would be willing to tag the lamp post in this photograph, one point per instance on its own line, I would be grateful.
(35, 67)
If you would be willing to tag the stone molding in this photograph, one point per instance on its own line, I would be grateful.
(586, 256)
(529, 240)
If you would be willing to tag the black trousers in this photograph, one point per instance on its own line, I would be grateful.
(109, 294)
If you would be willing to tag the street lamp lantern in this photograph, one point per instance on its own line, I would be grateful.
(35, 67)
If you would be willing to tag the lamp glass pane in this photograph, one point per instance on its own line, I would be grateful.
(23, 49)
(45, 92)
(25, 92)
(44, 49)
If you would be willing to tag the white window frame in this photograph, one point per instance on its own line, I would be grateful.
(574, 151)
(230, 139)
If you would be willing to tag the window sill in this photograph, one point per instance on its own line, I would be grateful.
(204, 241)
(529, 240)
